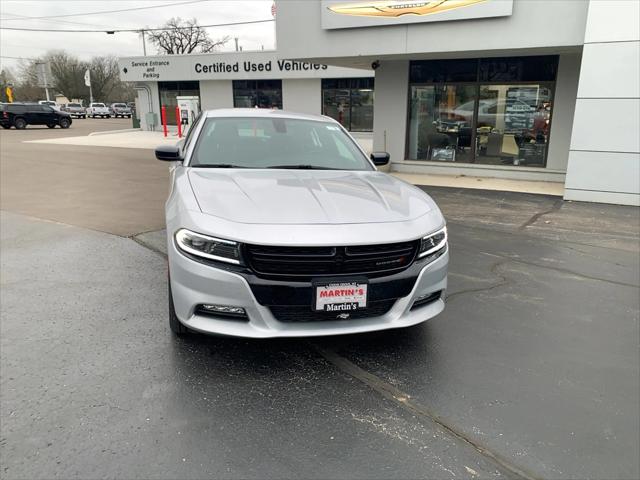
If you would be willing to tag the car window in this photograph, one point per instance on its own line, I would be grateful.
(98, 105)
(47, 108)
(74, 105)
(268, 142)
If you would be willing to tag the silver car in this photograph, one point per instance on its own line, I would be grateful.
(279, 225)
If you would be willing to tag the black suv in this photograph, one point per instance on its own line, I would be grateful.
(20, 115)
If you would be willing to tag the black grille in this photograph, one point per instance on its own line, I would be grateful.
(301, 314)
(307, 262)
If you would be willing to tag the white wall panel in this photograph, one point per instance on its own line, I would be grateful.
(613, 21)
(216, 94)
(610, 70)
(603, 170)
(390, 108)
(302, 96)
(607, 125)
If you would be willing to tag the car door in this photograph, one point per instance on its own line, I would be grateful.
(34, 114)
(48, 115)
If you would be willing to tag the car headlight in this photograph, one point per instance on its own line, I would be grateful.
(208, 247)
(432, 243)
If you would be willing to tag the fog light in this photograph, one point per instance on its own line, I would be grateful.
(426, 299)
(224, 310)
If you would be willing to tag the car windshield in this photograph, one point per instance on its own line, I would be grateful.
(276, 143)
(74, 105)
(119, 105)
(98, 105)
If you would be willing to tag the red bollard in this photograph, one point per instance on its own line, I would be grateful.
(179, 121)
(164, 120)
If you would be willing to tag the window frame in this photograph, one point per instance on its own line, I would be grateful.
(479, 83)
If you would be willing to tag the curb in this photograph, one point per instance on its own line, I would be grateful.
(110, 132)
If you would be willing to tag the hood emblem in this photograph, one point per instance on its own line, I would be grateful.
(343, 316)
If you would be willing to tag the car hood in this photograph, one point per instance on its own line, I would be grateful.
(306, 196)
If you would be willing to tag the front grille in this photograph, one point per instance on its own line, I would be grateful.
(303, 314)
(303, 263)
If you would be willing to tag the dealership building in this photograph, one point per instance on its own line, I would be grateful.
(545, 90)
(250, 79)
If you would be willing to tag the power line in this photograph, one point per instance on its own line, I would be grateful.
(24, 17)
(137, 30)
(109, 11)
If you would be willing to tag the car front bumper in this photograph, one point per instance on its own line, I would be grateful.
(194, 283)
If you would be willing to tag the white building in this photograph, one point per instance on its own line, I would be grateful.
(522, 89)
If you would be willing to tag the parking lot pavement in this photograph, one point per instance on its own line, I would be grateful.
(532, 370)
(119, 191)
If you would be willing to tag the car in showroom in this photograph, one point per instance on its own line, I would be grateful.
(98, 110)
(19, 115)
(120, 110)
(75, 110)
(279, 225)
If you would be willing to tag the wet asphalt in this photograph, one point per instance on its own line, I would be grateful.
(532, 370)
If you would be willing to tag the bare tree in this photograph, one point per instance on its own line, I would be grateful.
(184, 37)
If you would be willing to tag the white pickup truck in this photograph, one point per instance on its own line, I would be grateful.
(98, 110)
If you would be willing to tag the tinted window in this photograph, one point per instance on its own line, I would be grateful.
(74, 105)
(270, 142)
(439, 71)
(257, 93)
(16, 108)
(518, 69)
(99, 105)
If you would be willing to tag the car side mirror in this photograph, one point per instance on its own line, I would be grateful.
(168, 153)
(380, 158)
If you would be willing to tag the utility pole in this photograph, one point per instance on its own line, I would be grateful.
(236, 40)
(144, 45)
(42, 69)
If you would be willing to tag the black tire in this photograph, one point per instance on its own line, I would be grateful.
(84, 116)
(176, 327)
(51, 125)
(6, 127)
(65, 123)
(20, 123)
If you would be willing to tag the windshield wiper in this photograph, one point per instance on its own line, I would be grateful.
(219, 165)
(303, 167)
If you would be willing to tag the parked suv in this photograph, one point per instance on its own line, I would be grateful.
(20, 115)
(279, 225)
(120, 110)
(98, 110)
(75, 110)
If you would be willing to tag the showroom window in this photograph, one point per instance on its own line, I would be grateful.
(170, 90)
(493, 111)
(257, 93)
(350, 102)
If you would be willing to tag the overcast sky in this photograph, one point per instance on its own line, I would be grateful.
(86, 45)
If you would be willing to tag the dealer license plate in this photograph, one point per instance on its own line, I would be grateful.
(341, 296)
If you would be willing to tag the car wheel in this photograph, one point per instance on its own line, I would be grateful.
(84, 116)
(51, 125)
(6, 127)
(20, 123)
(65, 123)
(174, 324)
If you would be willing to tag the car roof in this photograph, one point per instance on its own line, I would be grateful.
(264, 113)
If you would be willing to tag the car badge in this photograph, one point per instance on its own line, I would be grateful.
(343, 316)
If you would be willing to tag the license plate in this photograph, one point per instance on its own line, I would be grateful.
(341, 296)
